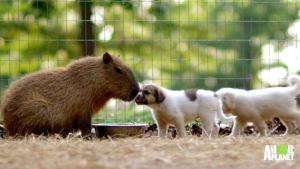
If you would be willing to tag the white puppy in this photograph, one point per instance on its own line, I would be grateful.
(180, 107)
(259, 105)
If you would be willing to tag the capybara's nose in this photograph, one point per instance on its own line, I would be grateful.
(134, 92)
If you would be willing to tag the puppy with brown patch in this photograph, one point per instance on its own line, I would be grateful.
(259, 105)
(180, 107)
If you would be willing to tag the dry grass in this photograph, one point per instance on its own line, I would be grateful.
(139, 153)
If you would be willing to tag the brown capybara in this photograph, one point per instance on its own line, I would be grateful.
(64, 100)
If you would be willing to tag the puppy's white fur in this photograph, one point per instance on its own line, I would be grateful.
(178, 109)
(259, 105)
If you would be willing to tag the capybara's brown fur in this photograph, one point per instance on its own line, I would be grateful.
(64, 100)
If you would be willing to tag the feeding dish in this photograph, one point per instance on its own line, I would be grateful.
(119, 130)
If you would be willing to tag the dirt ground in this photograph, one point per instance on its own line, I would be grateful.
(194, 151)
(144, 153)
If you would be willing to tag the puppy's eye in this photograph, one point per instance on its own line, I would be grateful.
(146, 92)
(118, 70)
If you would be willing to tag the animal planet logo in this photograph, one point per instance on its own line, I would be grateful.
(279, 152)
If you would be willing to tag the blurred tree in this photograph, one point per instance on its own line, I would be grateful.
(179, 44)
(255, 24)
(33, 36)
(200, 43)
(87, 28)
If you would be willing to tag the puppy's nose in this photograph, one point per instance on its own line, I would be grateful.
(139, 95)
(138, 98)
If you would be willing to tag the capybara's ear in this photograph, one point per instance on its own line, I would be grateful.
(106, 58)
(119, 55)
(160, 97)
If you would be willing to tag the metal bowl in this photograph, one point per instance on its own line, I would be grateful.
(119, 130)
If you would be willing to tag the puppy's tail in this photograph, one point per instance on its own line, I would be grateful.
(294, 83)
(220, 113)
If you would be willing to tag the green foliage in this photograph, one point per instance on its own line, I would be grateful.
(32, 34)
(42, 8)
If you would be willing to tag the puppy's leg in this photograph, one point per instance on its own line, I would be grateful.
(261, 126)
(162, 128)
(216, 129)
(208, 122)
(290, 127)
(180, 129)
(207, 126)
(291, 121)
(238, 127)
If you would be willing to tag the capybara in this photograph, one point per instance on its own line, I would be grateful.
(63, 100)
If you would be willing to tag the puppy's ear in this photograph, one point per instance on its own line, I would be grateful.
(159, 96)
(229, 99)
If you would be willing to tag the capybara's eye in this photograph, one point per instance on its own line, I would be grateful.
(118, 70)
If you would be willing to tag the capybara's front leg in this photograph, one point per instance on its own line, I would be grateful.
(85, 125)
(86, 131)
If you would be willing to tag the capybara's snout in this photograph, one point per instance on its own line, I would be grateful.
(134, 92)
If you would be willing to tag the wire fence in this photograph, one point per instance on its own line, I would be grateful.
(177, 44)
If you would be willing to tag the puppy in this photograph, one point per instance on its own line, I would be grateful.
(259, 105)
(180, 107)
